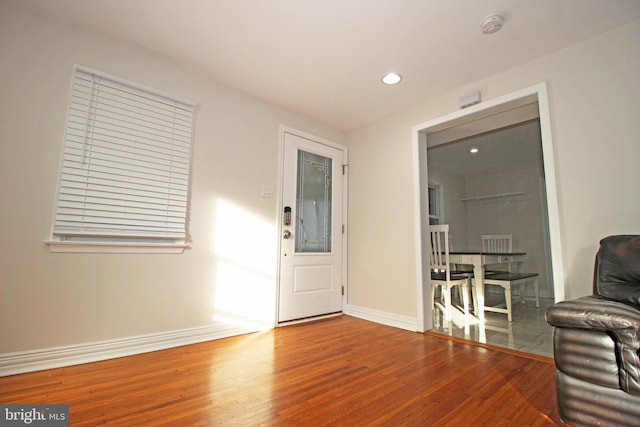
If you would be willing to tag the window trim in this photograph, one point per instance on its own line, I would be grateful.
(438, 205)
(66, 246)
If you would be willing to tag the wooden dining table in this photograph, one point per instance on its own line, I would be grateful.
(479, 260)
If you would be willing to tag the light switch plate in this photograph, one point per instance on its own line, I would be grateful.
(267, 190)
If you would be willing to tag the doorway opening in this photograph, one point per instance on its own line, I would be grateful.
(525, 107)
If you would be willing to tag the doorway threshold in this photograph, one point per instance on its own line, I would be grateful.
(310, 319)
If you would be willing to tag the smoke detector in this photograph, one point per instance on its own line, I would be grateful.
(492, 23)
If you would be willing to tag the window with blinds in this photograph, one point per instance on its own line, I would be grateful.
(125, 165)
(435, 195)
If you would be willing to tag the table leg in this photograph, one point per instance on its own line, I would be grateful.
(478, 280)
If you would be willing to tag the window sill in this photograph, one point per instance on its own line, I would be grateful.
(115, 247)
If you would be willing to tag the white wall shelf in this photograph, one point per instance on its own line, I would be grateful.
(494, 196)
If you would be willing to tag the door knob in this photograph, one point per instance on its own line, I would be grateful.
(287, 234)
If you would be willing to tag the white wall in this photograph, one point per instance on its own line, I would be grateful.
(454, 210)
(228, 275)
(519, 215)
(594, 88)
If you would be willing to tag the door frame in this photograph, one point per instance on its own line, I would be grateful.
(536, 93)
(345, 176)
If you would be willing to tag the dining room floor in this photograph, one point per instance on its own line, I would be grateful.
(528, 332)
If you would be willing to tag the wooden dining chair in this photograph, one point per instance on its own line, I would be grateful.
(506, 280)
(497, 243)
(503, 275)
(441, 274)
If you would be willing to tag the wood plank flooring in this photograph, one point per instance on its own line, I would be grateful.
(341, 371)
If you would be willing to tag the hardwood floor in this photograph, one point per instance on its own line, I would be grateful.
(339, 371)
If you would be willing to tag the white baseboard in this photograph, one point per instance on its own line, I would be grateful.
(382, 317)
(56, 357)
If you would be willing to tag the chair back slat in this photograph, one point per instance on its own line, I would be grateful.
(497, 242)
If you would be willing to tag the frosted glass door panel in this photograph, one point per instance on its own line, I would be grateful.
(313, 203)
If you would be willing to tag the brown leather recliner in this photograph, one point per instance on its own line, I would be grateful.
(596, 341)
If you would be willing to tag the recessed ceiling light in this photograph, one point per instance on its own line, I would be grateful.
(391, 79)
(473, 150)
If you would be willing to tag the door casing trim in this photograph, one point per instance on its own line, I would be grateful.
(537, 93)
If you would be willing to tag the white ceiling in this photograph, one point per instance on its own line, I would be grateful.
(325, 58)
(514, 147)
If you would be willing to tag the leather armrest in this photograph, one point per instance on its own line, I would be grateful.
(619, 320)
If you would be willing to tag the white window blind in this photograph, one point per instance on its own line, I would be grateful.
(126, 162)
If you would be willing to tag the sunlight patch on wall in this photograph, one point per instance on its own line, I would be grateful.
(244, 284)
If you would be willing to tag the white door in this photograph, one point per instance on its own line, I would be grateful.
(312, 232)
